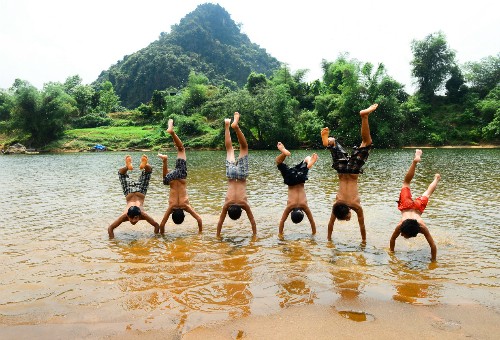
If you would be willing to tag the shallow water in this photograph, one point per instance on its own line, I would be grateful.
(58, 264)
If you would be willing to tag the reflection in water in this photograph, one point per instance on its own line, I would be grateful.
(58, 264)
(414, 285)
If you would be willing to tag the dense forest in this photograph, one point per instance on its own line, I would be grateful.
(205, 69)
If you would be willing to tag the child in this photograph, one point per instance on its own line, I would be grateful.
(348, 169)
(411, 222)
(237, 173)
(135, 193)
(178, 199)
(295, 178)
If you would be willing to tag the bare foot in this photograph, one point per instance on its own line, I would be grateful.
(227, 121)
(170, 128)
(144, 162)
(312, 160)
(418, 154)
(128, 162)
(437, 177)
(324, 136)
(236, 118)
(369, 110)
(284, 151)
(162, 156)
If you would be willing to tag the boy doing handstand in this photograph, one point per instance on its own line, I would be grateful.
(178, 201)
(295, 177)
(411, 223)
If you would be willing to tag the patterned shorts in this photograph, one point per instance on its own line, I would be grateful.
(180, 171)
(129, 186)
(238, 169)
(345, 164)
(294, 175)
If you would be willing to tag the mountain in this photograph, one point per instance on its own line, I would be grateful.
(206, 41)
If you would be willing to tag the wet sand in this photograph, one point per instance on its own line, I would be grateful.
(367, 319)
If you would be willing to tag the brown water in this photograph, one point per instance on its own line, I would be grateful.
(58, 265)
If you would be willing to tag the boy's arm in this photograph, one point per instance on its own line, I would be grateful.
(197, 217)
(430, 240)
(361, 222)
(222, 218)
(122, 218)
(246, 207)
(311, 219)
(394, 236)
(151, 221)
(330, 226)
(165, 219)
(286, 212)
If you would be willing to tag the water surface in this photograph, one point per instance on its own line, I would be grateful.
(58, 264)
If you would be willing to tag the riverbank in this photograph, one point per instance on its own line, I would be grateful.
(369, 319)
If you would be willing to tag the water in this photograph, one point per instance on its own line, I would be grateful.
(58, 265)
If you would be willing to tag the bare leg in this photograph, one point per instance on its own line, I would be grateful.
(144, 164)
(181, 152)
(327, 141)
(128, 162)
(227, 141)
(411, 171)
(284, 153)
(366, 138)
(432, 186)
(310, 160)
(164, 159)
(241, 137)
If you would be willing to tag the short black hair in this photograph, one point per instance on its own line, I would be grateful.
(297, 215)
(178, 216)
(133, 211)
(410, 227)
(234, 212)
(341, 210)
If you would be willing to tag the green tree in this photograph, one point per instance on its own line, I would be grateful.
(108, 100)
(432, 63)
(490, 107)
(483, 76)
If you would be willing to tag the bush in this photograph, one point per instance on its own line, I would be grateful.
(92, 120)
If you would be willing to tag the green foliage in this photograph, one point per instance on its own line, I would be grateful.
(483, 76)
(6, 105)
(490, 107)
(432, 62)
(92, 120)
(108, 99)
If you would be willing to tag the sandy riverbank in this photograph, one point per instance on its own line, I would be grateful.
(372, 320)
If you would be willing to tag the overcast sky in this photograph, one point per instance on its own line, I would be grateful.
(50, 40)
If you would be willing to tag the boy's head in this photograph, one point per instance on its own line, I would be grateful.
(410, 228)
(234, 211)
(134, 214)
(178, 216)
(342, 211)
(297, 215)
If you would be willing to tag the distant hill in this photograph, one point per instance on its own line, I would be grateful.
(206, 40)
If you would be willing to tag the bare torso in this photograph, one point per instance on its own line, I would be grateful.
(178, 194)
(348, 190)
(297, 196)
(236, 191)
(135, 198)
(411, 214)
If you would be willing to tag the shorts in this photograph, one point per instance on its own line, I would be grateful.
(345, 164)
(180, 171)
(238, 169)
(294, 175)
(130, 186)
(406, 202)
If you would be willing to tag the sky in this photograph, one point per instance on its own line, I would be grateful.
(50, 40)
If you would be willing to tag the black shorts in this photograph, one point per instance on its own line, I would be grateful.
(180, 171)
(294, 175)
(345, 164)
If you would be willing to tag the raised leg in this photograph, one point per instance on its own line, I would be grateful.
(411, 170)
(327, 141)
(241, 137)
(366, 138)
(128, 165)
(310, 160)
(227, 141)
(181, 151)
(144, 164)
(432, 186)
(284, 153)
